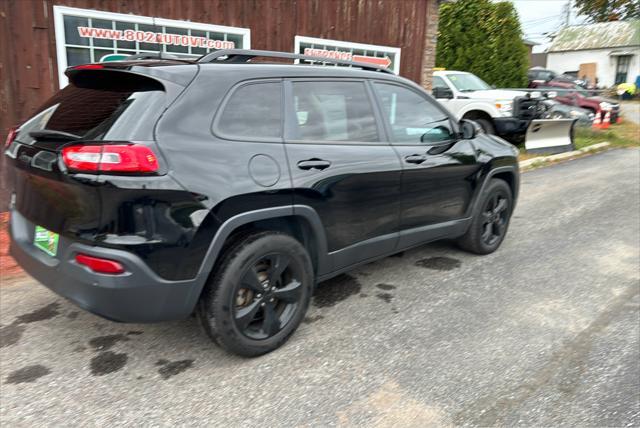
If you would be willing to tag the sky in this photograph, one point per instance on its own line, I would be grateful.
(538, 17)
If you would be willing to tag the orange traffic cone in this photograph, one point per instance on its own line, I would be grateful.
(596, 121)
(607, 121)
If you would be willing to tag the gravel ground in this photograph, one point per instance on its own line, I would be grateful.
(543, 332)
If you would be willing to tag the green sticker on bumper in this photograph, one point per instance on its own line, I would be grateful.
(46, 240)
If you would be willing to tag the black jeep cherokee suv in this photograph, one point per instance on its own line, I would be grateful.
(148, 189)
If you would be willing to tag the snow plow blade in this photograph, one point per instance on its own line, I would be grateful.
(549, 136)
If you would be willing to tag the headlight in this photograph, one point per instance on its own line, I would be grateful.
(605, 106)
(505, 107)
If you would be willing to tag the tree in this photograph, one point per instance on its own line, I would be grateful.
(483, 38)
(608, 10)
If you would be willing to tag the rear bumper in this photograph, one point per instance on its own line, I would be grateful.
(510, 126)
(138, 295)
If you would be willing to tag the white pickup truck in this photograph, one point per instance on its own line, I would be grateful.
(502, 112)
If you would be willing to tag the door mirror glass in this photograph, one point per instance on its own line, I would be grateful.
(441, 93)
(436, 134)
(469, 129)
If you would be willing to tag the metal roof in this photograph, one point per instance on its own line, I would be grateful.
(597, 36)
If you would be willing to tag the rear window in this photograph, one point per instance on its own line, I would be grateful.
(98, 114)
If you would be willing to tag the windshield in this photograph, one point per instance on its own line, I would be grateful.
(468, 82)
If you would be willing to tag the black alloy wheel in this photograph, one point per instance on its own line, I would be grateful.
(257, 294)
(494, 218)
(267, 296)
(490, 222)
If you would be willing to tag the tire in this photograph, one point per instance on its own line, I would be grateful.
(486, 125)
(490, 222)
(258, 294)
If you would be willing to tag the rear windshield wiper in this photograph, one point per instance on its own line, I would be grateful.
(50, 134)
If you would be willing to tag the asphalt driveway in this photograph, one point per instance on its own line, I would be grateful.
(631, 111)
(544, 332)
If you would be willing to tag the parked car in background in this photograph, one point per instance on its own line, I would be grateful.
(557, 110)
(539, 76)
(571, 94)
(502, 112)
(150, 189)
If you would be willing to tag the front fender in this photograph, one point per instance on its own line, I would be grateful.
(478, 106)
(498, 158)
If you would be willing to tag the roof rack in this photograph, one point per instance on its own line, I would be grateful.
(237, 56)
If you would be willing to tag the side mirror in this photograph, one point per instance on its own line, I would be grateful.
(469, 129)
(440, 93)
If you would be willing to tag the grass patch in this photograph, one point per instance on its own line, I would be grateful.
(524, 155)
(626, 134)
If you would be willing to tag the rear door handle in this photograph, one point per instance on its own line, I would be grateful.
(417, 159)
(314, 164)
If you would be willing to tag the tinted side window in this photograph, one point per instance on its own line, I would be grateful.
(254, 111)
(333, 111)
(413, 118)
(439, 83)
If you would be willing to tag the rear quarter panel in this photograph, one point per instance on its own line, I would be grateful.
(215, 171)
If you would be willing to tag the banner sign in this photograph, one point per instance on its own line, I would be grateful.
(151, 37)
(84, 36)
(383, 56)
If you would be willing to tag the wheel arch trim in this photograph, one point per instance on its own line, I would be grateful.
(513, 170)
(233, 223)
(479, 108)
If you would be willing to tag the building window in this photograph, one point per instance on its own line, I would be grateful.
(622, 68)
(84, 36)
(382, 56)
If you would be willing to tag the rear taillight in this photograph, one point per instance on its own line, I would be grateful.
(13, 132)
(100, 265)
(110, 158)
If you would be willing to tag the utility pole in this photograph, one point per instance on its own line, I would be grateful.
(566, 10)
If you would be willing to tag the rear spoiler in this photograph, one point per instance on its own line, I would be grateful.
(132, 75)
